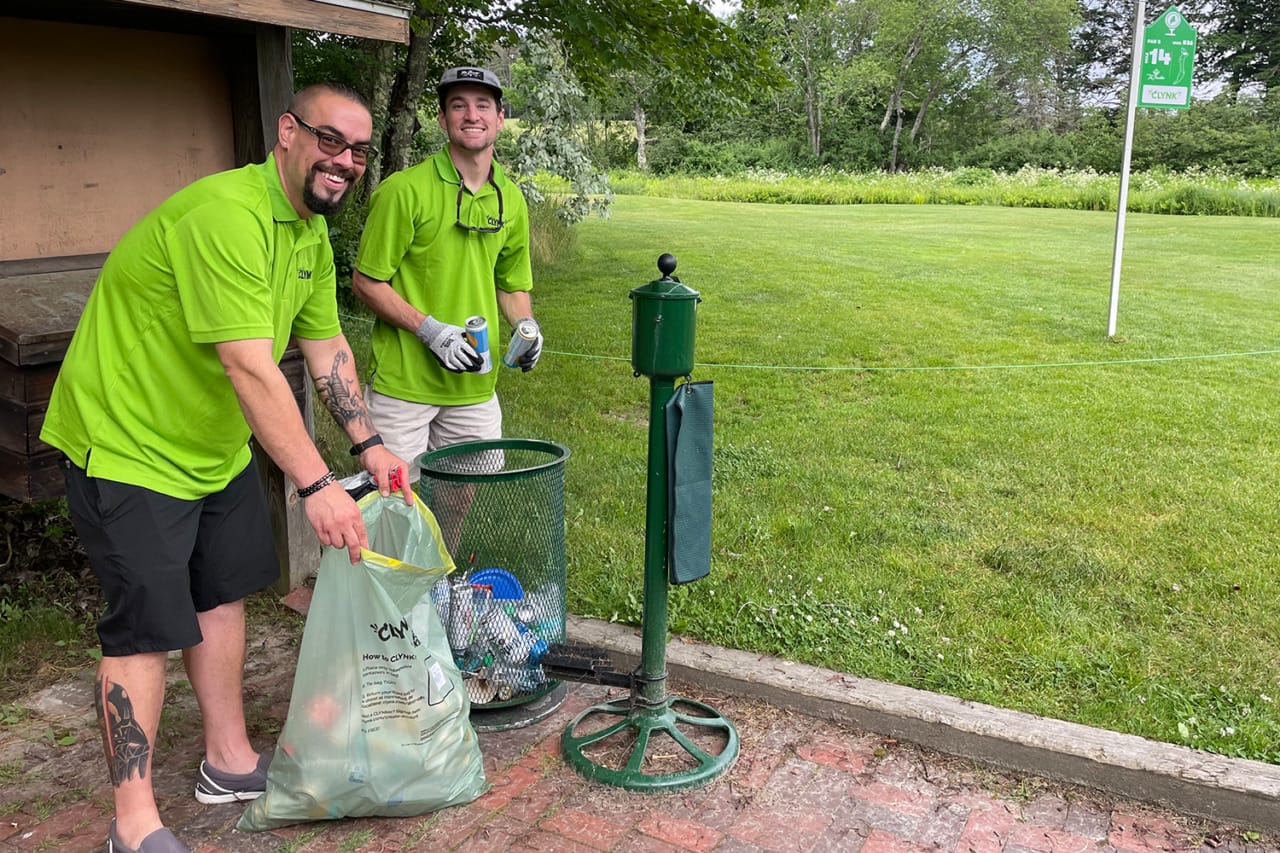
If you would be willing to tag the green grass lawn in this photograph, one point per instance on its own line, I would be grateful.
(931, 465)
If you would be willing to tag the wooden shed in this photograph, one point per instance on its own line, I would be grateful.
(106, 108)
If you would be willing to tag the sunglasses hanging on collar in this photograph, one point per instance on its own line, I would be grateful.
(489, 229)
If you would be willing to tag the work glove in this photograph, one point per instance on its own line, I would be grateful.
(530, 357)
(449, 345)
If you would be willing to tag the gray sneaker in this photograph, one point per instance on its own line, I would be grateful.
(214, 787)
(160, 841)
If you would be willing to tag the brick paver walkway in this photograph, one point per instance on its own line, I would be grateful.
(800, 784)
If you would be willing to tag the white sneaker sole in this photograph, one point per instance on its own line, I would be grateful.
(222, 799)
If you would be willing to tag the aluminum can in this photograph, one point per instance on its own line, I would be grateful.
(520, 679)
(537, 646)
(526, 332)
(478, 337)
(440, 598)
(461, 613)
(525, 613)
(501, 633)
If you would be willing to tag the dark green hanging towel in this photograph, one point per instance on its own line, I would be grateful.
(689, 432)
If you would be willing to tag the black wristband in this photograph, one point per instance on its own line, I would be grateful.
(372, 441)
(317, 485)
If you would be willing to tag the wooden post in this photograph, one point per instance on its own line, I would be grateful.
(297, 547)
(261, 85)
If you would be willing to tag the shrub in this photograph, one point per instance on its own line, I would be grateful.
(1034, 148)
(667, 152)
(551, 237)
(859, 151)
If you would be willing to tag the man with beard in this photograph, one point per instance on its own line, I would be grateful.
(174, 363)
(446, 240)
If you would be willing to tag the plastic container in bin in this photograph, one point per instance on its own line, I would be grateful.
(500, 506)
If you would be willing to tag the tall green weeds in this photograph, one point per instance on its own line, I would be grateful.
(1195, 192)
(551, 236)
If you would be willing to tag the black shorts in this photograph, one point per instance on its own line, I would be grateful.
(161, 560)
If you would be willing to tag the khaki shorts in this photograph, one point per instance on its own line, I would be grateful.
(412, 429)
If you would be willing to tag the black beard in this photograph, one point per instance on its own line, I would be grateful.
(324, 207)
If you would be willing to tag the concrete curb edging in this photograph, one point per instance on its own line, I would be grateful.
(1230, 790)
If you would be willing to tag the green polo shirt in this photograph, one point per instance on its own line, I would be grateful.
(142, 397)
(411, 240)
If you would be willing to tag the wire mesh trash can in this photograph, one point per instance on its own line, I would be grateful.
(500, 506)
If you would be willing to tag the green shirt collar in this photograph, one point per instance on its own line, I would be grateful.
(282, 209)
(449, 172)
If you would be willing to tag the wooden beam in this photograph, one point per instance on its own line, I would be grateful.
(275, 79)
(261, 75)
(262, 84)
(373, 20)
(31, 478)
(297, 547)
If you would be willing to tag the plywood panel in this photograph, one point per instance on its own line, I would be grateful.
(98, 125)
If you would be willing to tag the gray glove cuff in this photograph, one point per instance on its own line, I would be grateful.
(429, 329)
(449, 345)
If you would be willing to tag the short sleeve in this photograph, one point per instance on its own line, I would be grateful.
(221, 259)
(388, 230)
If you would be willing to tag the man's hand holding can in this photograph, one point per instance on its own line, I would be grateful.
(525, 346)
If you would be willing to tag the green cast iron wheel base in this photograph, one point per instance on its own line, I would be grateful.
(647, 723)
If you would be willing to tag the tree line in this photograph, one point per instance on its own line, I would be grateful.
(858, 85)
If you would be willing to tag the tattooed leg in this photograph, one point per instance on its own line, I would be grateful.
(128, 695)
(124, 741)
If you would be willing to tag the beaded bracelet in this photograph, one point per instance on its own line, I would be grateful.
(317, 485)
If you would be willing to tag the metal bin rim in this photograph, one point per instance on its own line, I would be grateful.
(426, 461)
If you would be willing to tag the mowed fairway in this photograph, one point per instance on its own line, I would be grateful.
(932, 467)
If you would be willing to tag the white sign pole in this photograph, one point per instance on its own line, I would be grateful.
(1139, 18)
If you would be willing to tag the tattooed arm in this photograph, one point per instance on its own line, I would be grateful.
(268, 405)
(333, 370)
(334, 373)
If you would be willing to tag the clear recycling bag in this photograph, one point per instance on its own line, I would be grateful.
(378, 722)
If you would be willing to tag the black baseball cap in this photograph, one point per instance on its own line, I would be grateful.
(469, 74)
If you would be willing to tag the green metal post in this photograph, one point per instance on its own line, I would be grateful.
(653, 649)
(662, 349)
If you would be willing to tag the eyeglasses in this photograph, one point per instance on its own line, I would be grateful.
(335, 145)
(491, 229)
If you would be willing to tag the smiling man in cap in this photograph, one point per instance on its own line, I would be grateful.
(446, 240)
